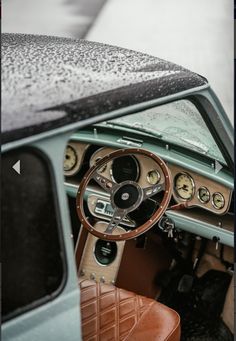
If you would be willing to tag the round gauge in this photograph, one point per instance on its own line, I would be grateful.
(103, 168)
(125, 168)
(203, 195)
(70, 158)
(218, 201)
(105, 252)
(184, 186)
(153, 177)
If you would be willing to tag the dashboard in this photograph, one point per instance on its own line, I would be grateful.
(209, 198)
(188, 186)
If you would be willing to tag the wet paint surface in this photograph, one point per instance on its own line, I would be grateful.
(48, 82)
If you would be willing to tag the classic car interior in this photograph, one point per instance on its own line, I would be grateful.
(151, 206)
(117, 179)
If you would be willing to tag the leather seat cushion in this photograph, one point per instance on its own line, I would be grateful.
(110, 313)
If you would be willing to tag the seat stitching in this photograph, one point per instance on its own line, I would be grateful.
(144, 313)
(140, 308)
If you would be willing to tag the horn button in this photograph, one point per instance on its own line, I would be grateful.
(128, 196)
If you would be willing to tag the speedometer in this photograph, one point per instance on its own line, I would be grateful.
(184, 186)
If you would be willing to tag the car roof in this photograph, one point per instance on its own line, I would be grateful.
(49, 82)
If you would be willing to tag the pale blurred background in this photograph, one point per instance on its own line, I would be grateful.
(198, 35)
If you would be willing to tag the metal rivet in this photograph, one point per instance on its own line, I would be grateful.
(102, 279)
(92, 276)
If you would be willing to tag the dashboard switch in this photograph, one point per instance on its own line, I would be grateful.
(100, 205)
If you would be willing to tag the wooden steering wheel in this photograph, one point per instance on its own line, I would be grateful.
(125, 197)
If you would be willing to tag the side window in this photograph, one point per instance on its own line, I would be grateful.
(32, 257)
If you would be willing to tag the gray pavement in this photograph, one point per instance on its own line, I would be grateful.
(195, 34)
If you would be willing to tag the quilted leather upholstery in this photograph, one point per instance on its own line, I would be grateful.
(109, 313)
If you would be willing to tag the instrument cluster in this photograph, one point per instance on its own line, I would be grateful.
(188, 186)
(200, 191)
(138, 168)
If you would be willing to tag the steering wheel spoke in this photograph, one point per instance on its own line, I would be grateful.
(148, 192)
(116, 219)
(107, 184)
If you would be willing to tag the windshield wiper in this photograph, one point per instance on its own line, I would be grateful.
(136, 127)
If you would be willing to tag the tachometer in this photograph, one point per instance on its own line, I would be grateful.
(184, 186)
(218, 200)
(203, 195)
(125, 168)
(70, 158)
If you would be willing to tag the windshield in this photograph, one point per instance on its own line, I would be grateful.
(178, 122)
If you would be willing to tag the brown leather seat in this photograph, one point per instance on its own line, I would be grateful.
(109, 313)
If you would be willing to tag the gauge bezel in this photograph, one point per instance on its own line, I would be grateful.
(137, 168)
(94, 254)
(198, 195)
(115, 241)
(76, 159)
(213, 204)
(193, 185)
(157, 172)
(80, 153)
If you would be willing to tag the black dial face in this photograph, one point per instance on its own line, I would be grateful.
(105, 251)
(125, 168)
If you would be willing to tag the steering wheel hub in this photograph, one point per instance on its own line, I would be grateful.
(127, 196)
